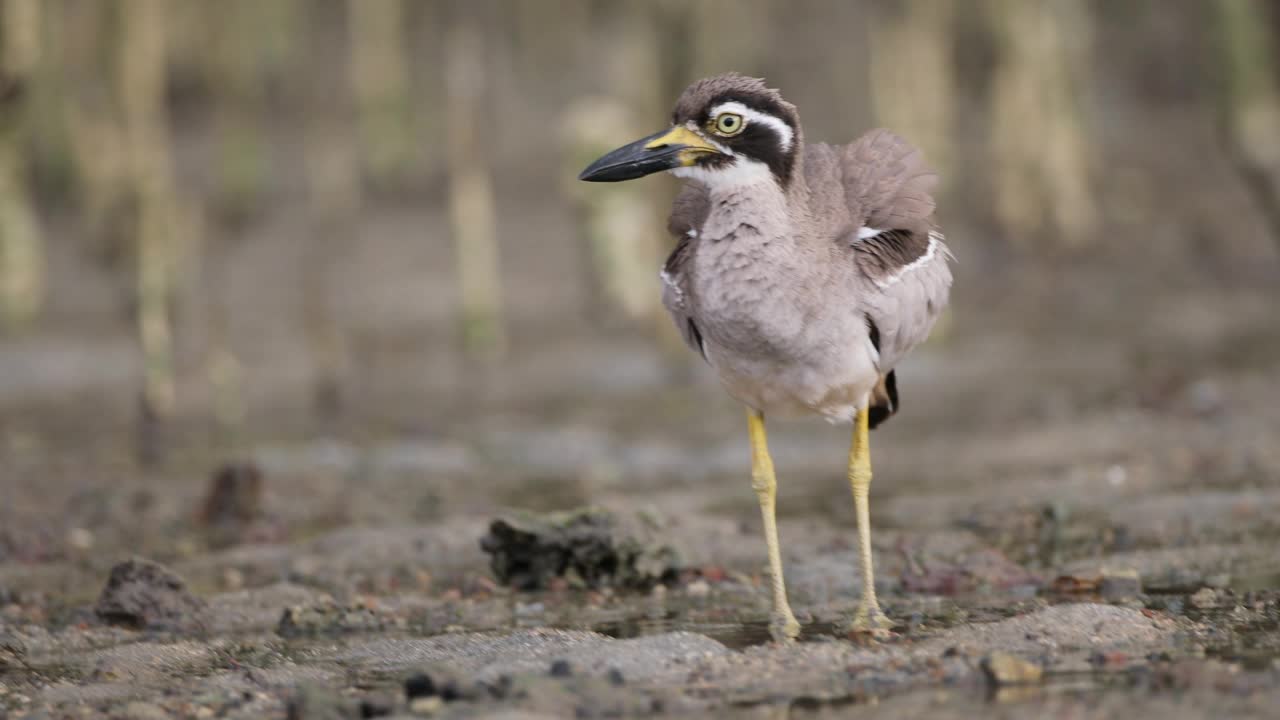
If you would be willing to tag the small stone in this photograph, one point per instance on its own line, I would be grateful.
(1108, 659)
(616, 678)
(426, 705)
(311, 702)
(232, 578)
(1203, 598)
(138, 710)
(1117, 475)
(533, 609)
(501, 687)
(1003, 668)
(419, 685)
(80, 539)
(375, 707)
(1205, 397)
(327, 618)
(561, 668)
(698, 588)
(1217, 580)
(1120, 584)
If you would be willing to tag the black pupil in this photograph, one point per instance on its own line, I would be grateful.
(729, 122)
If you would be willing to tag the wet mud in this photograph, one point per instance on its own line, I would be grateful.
(1061, 526)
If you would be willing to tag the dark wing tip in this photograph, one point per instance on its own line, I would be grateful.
(884, 400)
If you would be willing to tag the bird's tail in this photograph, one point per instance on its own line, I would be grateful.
(884, 399)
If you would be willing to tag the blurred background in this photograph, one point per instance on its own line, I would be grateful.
(344, 239)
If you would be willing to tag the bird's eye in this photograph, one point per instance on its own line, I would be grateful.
(729, 124)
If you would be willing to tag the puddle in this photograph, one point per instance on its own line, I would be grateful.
(734, 635)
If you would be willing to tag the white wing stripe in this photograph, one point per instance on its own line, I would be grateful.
(935, 238)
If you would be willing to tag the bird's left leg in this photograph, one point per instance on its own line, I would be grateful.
(782, 623)
(868, 617)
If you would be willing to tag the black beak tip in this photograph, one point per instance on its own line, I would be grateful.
(632, 161)
(597, 172)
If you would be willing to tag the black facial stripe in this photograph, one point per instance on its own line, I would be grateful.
(759, 141)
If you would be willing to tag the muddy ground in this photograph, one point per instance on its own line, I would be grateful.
(1075, 515)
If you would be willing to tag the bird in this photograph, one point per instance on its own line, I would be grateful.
(802, 274)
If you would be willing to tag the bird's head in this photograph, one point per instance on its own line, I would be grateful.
(725, 130)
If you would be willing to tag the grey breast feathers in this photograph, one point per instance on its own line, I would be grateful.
(688, 213)
(897, 253)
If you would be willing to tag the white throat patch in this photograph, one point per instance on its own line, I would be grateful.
(785, 134)
(740, 173)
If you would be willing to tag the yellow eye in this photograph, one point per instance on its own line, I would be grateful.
(729, 124)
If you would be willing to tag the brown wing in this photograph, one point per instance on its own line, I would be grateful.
(688, 213)
(887, 184)
(899, 254)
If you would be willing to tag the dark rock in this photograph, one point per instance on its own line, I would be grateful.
(419, 685)
(446, 684)
(141, 594)
(616, 678)
(589, 547)
(501, 687)
(451, 690)
(310, 702)
(375, 707)
(233, 502)
(561, 668)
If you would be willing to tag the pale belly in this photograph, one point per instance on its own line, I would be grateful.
(833, 386)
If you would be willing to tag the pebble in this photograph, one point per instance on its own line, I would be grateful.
(561, 668)
(375, 707)
(1217, 580)
(426, 705)
(698, 588)
(530, 609)
(1120, 584)
(1005, 669)
(1203, 598)
(144, 711)
(232, 578)
(80, 539)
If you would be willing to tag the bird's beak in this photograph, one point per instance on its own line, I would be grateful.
(677, 147)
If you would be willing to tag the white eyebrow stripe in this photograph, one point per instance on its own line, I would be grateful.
(785, 133)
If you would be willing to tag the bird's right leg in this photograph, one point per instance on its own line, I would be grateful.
(782, 623)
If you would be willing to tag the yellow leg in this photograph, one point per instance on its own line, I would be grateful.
(868, 617)
(782, 623)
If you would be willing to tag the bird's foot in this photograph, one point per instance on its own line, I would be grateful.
(870, 619)
(783, 626)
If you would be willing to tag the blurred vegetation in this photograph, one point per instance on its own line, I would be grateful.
(151, 137)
